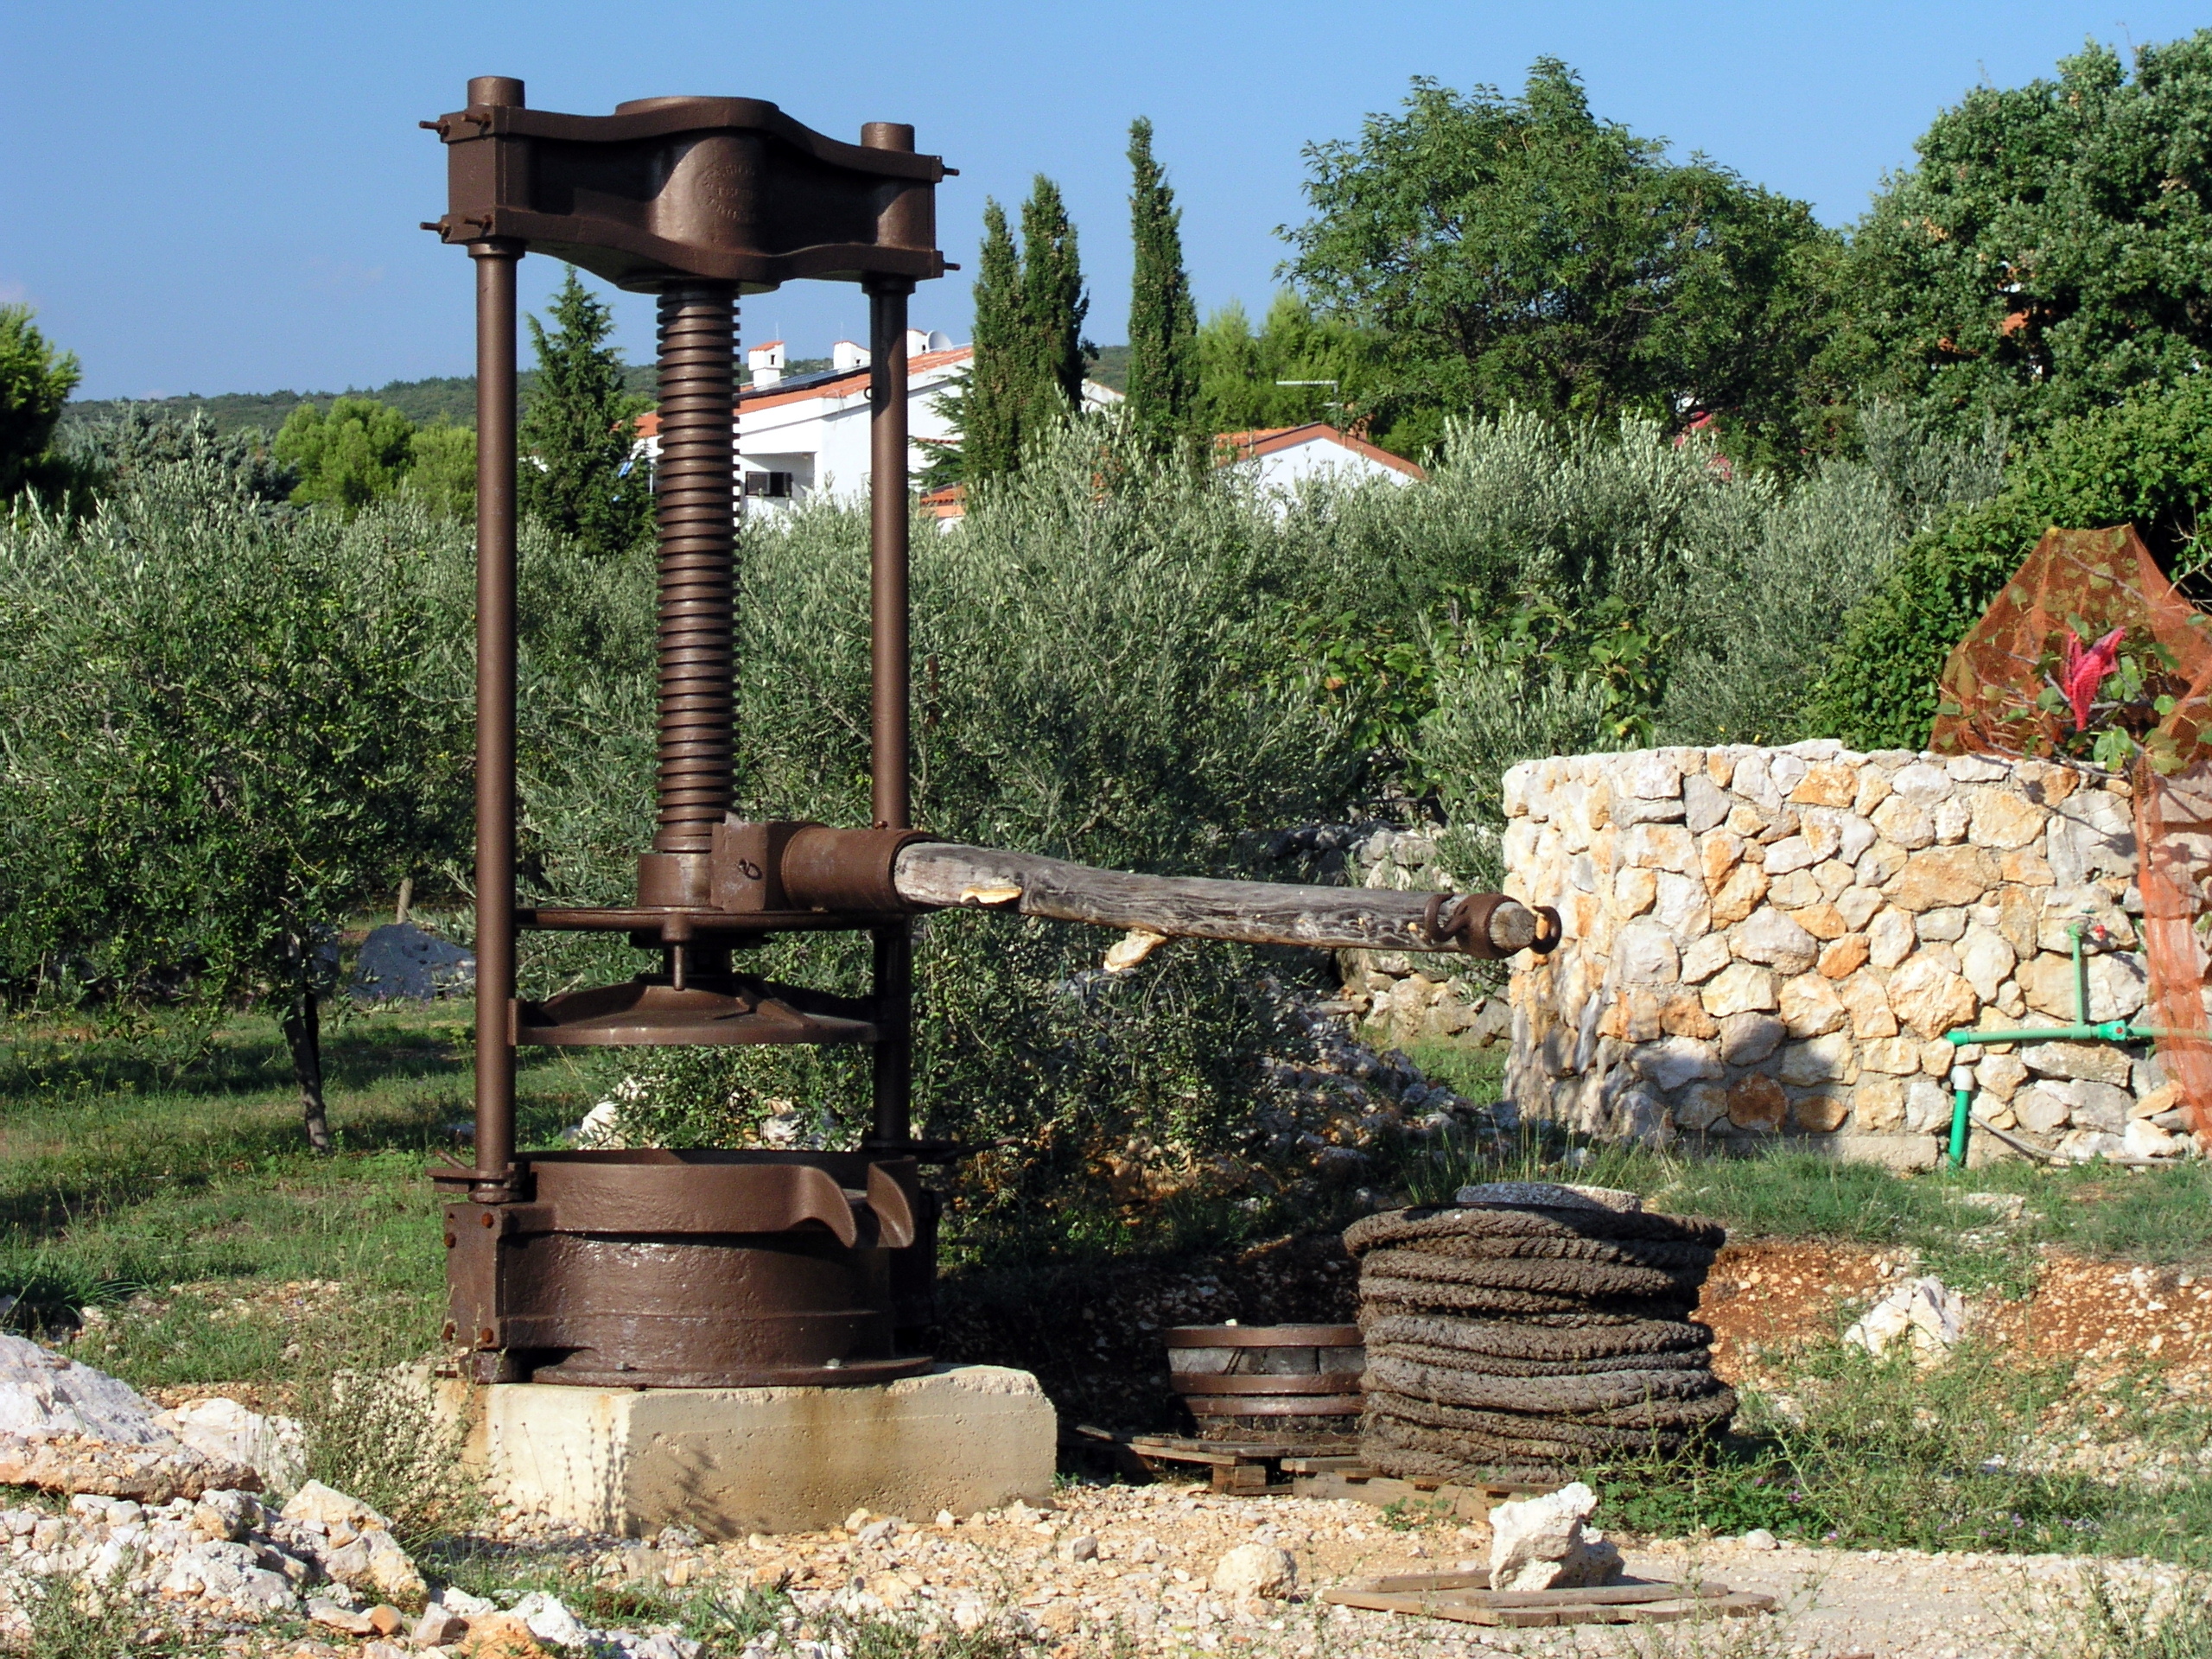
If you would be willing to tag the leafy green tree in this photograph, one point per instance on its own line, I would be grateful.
(116, 454)
(1163, 386)
(223, 727)
(35, 381)
(357, 451)
(1520, 250)
(579, 428)
(1242, 373)
(2046, 255)
(2147, 462)
(441, 467)
(1053, 303)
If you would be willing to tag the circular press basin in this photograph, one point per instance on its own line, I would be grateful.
(656, 1267)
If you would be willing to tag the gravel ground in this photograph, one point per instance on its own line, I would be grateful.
(1125, 1571)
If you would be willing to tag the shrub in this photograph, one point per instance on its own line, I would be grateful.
(2147, 462)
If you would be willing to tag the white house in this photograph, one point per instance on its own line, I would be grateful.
(798, 436)
(1282, 457)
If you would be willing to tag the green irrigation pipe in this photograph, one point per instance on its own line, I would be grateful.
(2082, 1031)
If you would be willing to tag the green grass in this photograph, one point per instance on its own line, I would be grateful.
(118, 1179)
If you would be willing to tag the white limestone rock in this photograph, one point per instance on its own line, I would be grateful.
(1543, 1543)
(1259, 1571)
(67, 1428)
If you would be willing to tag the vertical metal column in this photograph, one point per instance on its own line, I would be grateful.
(890, 669)
(492, 1182)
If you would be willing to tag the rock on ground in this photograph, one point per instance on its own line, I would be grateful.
(1259, 1570)
(67, 1428)
(1540, 1543)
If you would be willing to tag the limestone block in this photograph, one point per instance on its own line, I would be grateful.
(1977, 769)
(1795, 890)
(2093, 1105)
(2026, 867)
(1256, 1572)
(1986, 959)
(1582, 873)
(1633, 892)
(1705, 958)
(1651, 775)
(1936, 1059)
(2117, 987)
(1854, 833)
(1823, 1060)
(1540, 1543)
(2090, 837)
(2165, 1098)
(1783, 827)
(2001, 1074)
(72, 1429)
(2065, 909)
(1943, 955)
(1747, 1038)
(1513, 789)
(1997, 1113)
(1745, 819)
(1810, 1006)
(1881, 865)
(1629, 809)
(727, 1462)
(2089, 1061)
(1790, 852)
(2041, 1109)
(1823, 921)
(2003, 819)
(1820, 1111)
(1647, 955)
(1741, 988)
(1754, 781)
(1720, 765)
(1873, 790)
(1922, 783)
(1868, 1001)
(1858, 906)
(1845, 957)
(1675, 1061)
(1701, 1106)
(1739, 895)
(1941, 926)
(1929, 998)
(1833, 877)
(1681, 908)
(2143, 1139)
(1756, 1103)
(1898, 1056)
(1829, 783)
(1879, 1104)
(1786, 769)
(1770, 937)
(1942, 876)
(1951, 819)
(1659, 847)
(1683, 1015)
(1906, 822)
(1718, 853)
(1704, 804)
(1927, 1106)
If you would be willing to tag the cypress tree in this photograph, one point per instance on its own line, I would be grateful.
(988, 410)
(1055, 304)
(579, 428)
(1163, 388)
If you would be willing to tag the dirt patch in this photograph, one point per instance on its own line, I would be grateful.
(1765, 1294)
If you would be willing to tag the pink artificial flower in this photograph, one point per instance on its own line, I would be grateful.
(2085, 670)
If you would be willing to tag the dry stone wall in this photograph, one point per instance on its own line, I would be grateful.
(1766, 942)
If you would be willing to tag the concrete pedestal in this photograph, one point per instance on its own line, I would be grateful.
(733, 1461)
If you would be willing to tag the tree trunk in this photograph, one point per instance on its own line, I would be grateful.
(1261, 912)
(304, 1034)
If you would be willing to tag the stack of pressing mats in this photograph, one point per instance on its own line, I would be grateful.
(1530, 1330)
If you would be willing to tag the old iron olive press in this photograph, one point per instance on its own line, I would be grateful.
(700, 1269)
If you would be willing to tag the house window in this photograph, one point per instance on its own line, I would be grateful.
(775, 486)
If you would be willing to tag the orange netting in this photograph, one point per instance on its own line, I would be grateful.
(2090, 655)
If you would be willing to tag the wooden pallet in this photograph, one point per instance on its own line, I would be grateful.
(1251, 1467)
(1352, 1477)
(1464, 1597)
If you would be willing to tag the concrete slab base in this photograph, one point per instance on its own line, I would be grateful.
(733, 1461)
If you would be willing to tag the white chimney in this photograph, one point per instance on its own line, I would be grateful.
(766, 362)
(917, 342)
(845, 356)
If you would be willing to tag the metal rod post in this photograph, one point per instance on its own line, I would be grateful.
(495, 263)
(890, 669)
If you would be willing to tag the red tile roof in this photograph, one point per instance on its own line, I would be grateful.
(1273, 440)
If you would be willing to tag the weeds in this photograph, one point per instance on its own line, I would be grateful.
(2113, 1618)
(379, 1436)
(68, 1617)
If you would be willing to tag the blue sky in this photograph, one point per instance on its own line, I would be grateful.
(223, 197)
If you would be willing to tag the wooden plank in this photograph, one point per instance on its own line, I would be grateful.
(1261, 912)
(1349, 1466)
